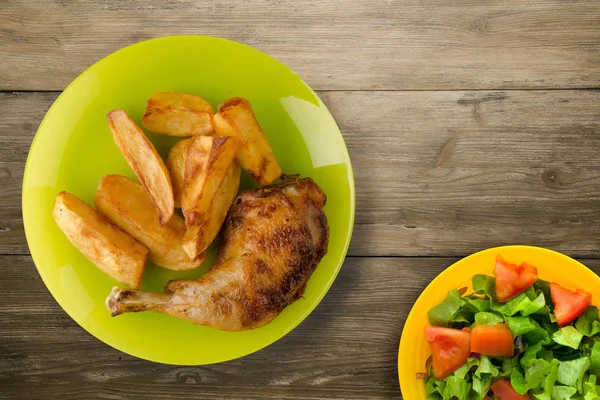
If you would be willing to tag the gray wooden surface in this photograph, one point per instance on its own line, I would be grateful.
(470, 124)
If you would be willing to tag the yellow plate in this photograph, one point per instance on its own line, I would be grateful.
(552, 266)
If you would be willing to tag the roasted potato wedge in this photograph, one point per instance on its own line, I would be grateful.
(127, 205)
(208, 169)
(208, 161)
(176, 167)
(178, 114)
(205, 226)
(115, 252)
(236, 118)
(145, 162)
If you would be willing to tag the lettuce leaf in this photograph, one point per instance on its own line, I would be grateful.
(481, 386)
(568, 336)
(570, 373)
(590, 391)
(486, 367)
(520, 325)
(456, 387)
(521, 304)
(588, 323)
(563, 393)
(488, 318)
(517, 380)
(537, 335)
(595, 358)
(477, 304)
(484, 284)
(444, 313)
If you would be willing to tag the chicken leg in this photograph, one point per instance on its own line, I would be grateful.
(274, 238)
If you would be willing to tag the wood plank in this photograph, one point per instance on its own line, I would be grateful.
(44, 354)
(362, 45)
(437, 173)
(346, 348)
(12, 235)
(20, 115)
(450, 173)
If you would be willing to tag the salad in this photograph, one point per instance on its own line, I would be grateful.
(515, 337)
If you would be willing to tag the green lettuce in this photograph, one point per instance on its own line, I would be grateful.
(488, 318)
(595, 358)
(521, 325)
(521, 304)
(484, 284)
(568, 336)
(570, 373)
(444, 313)
(588, 323)
(563, 393)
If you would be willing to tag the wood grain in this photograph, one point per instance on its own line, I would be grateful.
(448, 173)
(449, 158)
(437, 173)
(362, 45)
(347, 348)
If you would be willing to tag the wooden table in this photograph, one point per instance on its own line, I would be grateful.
(470, 124)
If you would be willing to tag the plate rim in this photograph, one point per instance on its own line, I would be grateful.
(28, 223)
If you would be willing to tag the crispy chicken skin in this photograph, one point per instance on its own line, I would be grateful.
(274, 237)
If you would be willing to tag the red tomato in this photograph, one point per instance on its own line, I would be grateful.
(503, 390)
(568, 305)
(512, 279)
(492, 340)
(450, 348)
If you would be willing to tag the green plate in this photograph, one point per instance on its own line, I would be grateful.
(73, 149)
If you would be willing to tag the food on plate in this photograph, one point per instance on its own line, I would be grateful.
(211, 181)
(568, 305)
(176, 166)
(127, 205)
(112, 250)
(204, 227)
(450, 348)
(274, 237)
(144, 161)
(492, 340)
(236, 118)
(178, 114)
(515, 337)
(512, 279)
(503, 390)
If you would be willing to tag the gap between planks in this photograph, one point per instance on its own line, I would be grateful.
(524, 89)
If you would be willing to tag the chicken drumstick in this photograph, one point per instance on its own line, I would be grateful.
(274, 237)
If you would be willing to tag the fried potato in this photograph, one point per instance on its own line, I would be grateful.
(205, 226)
(209, 167)
(208, 161)
(113, 251)
(254, 153)
(145, 162)
(128, 206)
(178, 114)
(176, 167)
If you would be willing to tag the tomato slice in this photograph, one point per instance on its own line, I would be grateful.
(568, 305)
(503, 390)
(450, 348)
(512, 279)
(492, 340)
